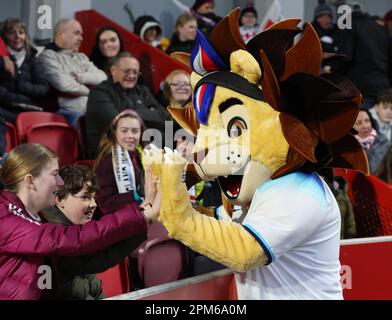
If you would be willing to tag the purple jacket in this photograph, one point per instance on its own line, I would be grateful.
(26, 244)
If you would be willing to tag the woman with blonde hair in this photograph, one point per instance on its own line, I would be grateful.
(119, 163)
(31, 180)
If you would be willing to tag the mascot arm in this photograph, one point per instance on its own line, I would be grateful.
(226, 242)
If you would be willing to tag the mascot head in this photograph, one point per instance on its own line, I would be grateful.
(262, 110)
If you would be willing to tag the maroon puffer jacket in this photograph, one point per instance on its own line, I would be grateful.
(26, 244)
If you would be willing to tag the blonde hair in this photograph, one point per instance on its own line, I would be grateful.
(169, 79)
(23, 160)
(108, 139)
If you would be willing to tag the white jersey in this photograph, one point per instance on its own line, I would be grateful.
(296, 220)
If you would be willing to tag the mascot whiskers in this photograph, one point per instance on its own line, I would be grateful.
(265, 121)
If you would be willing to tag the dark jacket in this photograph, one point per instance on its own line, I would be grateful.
(181, 46)
(108, 198)
(204, 25)
(108, 99)
(77, 279)
(143, 23)
(27, 84)
(328, 38)
(369, 47)
(377, 152)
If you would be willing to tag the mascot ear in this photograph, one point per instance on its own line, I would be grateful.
(186, 118)
(243, 64)
(226, 35)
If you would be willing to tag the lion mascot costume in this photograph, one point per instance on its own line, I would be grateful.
(265, 121)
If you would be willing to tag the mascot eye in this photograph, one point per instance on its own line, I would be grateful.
(236, 127)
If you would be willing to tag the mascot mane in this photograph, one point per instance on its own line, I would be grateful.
(317, 112)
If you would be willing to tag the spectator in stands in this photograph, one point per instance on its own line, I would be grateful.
(382, 113)
(69, 71)
(375, 144)
(384, 170)
(248, 23)
(177, 88)
(150, 30)
(325, 28)
(184, 36)
(338, 187)
(203, 10)
(120, 147)
(368, 45)
(31, 182)
(108, 44)
(118, 93)
(177, 92)
(75, 205)
(21, 79)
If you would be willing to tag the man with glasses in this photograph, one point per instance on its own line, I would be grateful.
(118, 93)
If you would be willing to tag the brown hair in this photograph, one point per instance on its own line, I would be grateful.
(23, 160)
(169, 79)
(108, 139)
(75, 178)
(385, 96)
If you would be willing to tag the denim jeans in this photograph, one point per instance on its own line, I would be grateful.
(71, 116)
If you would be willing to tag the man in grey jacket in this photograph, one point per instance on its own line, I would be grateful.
(69, 71)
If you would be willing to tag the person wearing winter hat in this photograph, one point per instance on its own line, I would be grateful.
(203, 10)
(325, 28)
(150, 30)
(248, 23)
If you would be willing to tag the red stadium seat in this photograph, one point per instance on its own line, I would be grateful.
(115, 280)
(25, 120)
(59, 137)
(161, 260)
(11, 137)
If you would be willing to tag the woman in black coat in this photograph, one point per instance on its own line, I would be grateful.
(26, 83)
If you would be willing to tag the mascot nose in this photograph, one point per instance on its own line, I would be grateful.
(198, 157)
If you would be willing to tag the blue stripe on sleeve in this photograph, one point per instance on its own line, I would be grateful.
(261, 241)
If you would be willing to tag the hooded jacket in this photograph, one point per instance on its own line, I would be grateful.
(145, 22)
(27, 244)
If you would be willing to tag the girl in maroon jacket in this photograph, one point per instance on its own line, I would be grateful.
(119, 167)
(27, 244)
